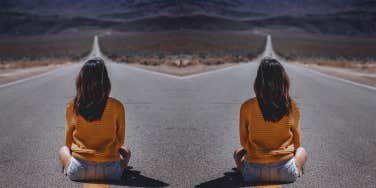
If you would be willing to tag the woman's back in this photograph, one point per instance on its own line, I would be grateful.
(97, 140)
(267, 141)
(269, 129)
(95, 128)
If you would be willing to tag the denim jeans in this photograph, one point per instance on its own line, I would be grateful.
(280, 172)
(81, 170)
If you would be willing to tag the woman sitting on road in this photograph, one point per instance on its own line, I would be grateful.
(270, 130)
(95, 129)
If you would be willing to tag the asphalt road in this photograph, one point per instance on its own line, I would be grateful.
(182, 131)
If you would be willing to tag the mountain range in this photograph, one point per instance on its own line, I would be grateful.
(344, 17)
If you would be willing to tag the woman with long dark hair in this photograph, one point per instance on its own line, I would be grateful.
(270, 130)
(95, 128)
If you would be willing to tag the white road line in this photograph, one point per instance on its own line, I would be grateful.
(31, 77)
(269, 51)
(94, 52)
(336, 78)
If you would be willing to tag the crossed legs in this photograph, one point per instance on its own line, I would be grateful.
(239, 155)
(300, 158)
(65, 156)
(125, 156)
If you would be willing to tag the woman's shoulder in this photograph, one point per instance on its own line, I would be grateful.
(69, 108)
(70, 104)
(115, 102)
(295, 107)
(294, 104)
(249, 103)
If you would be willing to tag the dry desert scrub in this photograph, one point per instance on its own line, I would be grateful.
(157, 48)
(20, 64)
(182, 60)
(342, 63)
(369, 65)
(38, 51)
(341, 51)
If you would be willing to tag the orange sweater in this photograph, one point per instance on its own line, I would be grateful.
(265, 141)
(99, 140)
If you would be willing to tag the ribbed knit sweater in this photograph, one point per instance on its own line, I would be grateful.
(99, 140)
(266, 141)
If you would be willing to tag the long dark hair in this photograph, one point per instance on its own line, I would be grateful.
(272, 90)
(92, 90)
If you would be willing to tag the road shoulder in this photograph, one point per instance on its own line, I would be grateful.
(361, 75)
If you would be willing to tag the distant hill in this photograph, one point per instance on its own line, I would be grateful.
(242, 9)
(340, 23)
(366, 5)
(24, 24)
(198, 22)
(334, 17)
(88, 8)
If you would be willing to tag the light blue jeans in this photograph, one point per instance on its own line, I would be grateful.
(281, 172)
(81, 170)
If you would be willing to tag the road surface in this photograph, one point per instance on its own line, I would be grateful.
(182, 131)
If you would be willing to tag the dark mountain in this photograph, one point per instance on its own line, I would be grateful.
(23, 24)
(340, 23)
(366, 5)
(345, 17)
(269, 7)
(88, 8)
(197, 22)
(229, 8)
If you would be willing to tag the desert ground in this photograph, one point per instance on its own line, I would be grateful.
(364, 73)
(184, 53)
(350, 58)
